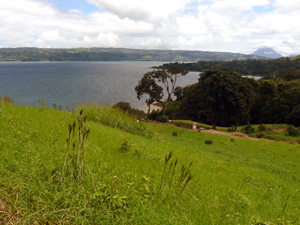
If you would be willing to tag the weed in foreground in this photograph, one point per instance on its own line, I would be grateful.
(74, 161)
(175, 180)
(126, 145)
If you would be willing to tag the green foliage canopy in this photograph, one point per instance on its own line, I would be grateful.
(224, 95)
(219, 96)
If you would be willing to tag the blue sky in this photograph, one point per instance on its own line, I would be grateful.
(207, 25)
(81, 5)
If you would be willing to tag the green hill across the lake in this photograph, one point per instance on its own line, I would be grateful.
(116, 54)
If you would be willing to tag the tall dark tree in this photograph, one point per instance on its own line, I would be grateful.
(156, 83)
(264, 93)
(189, 109)
(224, 96)
(294, 116)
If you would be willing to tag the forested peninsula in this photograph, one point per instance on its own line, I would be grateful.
(116, 54)
(268, 67)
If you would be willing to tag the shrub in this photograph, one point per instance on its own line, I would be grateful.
(155, 114)
(231, 128)
(6, 100)
(260, 135)
(163, 119)
(261, 128)
(175, 133)
(248, 129)
(209, 141)
(126, 145)
(132, 112)
(293, 131)
(124, 106)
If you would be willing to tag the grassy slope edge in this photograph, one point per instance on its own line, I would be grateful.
(235, 182)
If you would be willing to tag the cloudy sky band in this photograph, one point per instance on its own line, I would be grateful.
(207, 25)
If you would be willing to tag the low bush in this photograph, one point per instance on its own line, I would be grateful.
(293, 131)
(260, 135)
(209, 141)
(261, 128)
(248, 129)
(155, 114)
(126, 145)
(6, 100)
(163, 119)
(232, 128)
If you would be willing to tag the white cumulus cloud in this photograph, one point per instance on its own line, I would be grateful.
(208, 25)
(146, 10)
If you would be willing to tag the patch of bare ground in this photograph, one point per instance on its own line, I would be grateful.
(234, 134)
(282, 130)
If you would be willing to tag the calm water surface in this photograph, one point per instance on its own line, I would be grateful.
(68, 83)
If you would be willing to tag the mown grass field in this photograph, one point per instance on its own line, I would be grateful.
(234, 182)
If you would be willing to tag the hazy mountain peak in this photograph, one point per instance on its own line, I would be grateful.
(267, 52)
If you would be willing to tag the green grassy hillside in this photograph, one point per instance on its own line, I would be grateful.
(234, 181)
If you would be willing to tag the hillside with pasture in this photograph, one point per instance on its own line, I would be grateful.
(99, 166)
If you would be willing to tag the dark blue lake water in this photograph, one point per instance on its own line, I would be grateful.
(68, 83)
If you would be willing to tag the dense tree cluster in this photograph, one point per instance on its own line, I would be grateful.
(218, 98)
(225, 98)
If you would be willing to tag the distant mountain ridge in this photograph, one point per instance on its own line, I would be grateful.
(267, 52)
(116, 54)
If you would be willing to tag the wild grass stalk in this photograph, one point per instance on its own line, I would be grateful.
(167, 159)
(74, 163)
(183, 179)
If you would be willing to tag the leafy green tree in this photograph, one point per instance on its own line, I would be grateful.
(178, 92)
(189, 109)
(156, 83)
(224, 95)
(172, 109)
(290, 74)
(261, 109)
